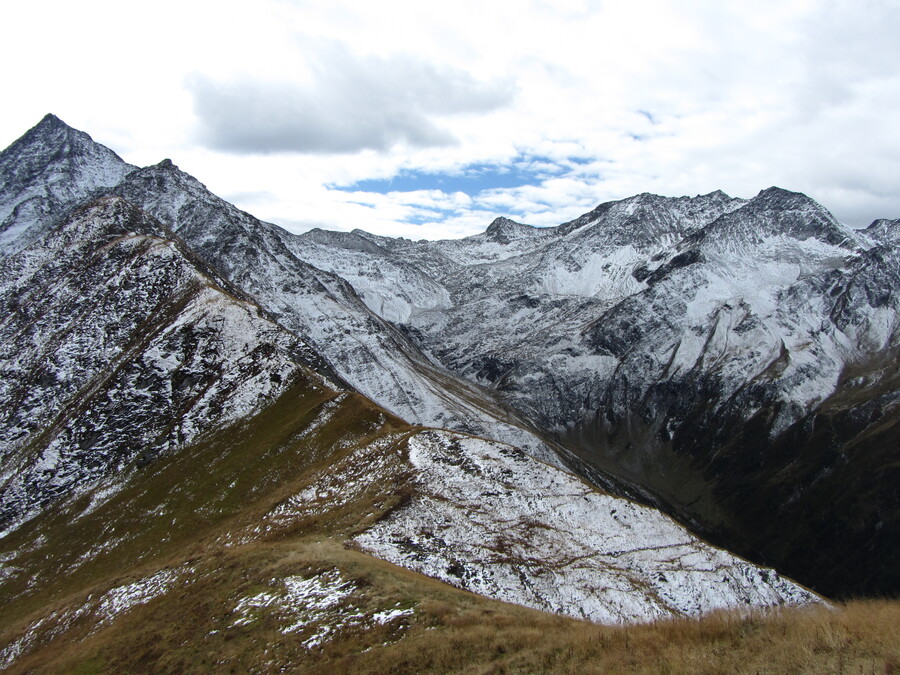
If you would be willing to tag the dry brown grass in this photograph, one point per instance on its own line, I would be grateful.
(456, 632)
(861, 637)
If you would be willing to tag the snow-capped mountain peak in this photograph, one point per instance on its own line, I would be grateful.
(503, 230)
(49, 169)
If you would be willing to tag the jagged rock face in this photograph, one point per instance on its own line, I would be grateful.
(117, 347)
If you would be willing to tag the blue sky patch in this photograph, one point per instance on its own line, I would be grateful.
(471, 179)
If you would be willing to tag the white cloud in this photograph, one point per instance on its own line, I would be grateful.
(795, 93)
(352, 103)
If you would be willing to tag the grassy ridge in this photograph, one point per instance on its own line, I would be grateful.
(177, 507)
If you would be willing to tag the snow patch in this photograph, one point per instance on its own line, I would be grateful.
(120, 599)
(318, 608)
(102, 611)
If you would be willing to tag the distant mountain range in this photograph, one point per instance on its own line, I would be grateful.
(183, 384)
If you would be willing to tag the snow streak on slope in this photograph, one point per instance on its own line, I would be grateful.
(393, 292)
(489, 519)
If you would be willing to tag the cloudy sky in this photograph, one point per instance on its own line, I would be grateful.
(428, 120)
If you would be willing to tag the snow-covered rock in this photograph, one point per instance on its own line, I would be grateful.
(50, 169)
(487, 518)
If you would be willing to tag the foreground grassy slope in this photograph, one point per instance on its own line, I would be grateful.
(172, 571)
(452, 631)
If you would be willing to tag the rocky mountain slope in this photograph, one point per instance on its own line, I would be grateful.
(175, 431)
(368, 351)
(117, 346)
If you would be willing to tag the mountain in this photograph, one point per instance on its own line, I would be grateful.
(368, 351)
(183, 438)
(731, 361)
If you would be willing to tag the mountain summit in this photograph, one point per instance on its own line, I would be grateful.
(49, 169)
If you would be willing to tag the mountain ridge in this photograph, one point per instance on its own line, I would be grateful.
(611, 344)
(93, 353)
